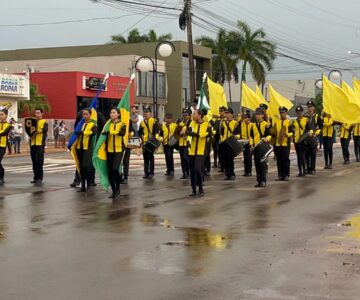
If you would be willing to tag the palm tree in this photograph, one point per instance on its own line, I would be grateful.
(224, 59)
(134, 36)
(253, 50)
(36, 101)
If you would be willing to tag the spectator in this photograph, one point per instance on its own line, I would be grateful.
(56, 130)
(136, 119)
(63, 131)
(18, 132)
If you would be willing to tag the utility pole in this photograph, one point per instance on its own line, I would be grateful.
(190, 50)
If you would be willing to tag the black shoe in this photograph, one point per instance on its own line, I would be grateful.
(279, 179)
(357, 159)
(74, 184)
(347, 162)
(167, 173)
(151, 176)
(82, 190)
(215, 166)
(227, 178)
(116, 194)
(38, 182)
(125, 181)
(207, 174)
(33, 181)
(2, 181)
(300, 175)
(183, 177)
(286, 178)
(262, 184)
(201, 192)
(221, 171)
(146, 177)
(193, 194)
(93, 184)
(330, 167)
(112, 196)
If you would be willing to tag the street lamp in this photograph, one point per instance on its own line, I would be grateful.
(146, 64)
(319, 84)
(335, 75)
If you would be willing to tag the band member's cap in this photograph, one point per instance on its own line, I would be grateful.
(310, 103)
(283, 109)
(263, 105)
(222, 109)
(186, 111)
(246, 115)
(146, 109)
(168, 116)
(229, 110)
(299, 108)
(259, 111)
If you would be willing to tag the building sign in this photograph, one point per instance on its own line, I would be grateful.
(14, 86)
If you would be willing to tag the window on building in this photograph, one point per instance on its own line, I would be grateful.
(145, 85)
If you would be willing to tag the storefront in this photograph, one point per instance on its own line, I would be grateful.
(13, 88)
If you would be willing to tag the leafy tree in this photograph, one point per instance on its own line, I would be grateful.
(36, 101)
(134, 36)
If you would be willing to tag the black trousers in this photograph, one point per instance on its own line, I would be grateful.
(283, 161)
(221, 156)
(184, 160)
(37, 158)
(261, 170)
(207, 164)
(345, 148)
(328, 150)
(126, 163)
(215, 147)
(300, 153)
(2, 171)
(113, 164)
(85, 162)
(247, 160)
(229, 162)
(149, 162)
(357, 146)
(196, 171)
(169, 158)
(310, 157)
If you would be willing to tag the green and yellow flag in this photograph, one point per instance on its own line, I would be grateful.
(336, 102)
(250, 99)
(99, 155)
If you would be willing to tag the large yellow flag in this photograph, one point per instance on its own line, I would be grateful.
(249, 98)
(356, 85)
(217, 96)
(276, 101)
(336, 102)
(260, 94)
(353, 97)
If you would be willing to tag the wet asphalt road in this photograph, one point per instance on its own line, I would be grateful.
(283, 242)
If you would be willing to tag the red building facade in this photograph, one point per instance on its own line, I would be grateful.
(68, 92)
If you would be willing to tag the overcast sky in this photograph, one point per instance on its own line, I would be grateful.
(320, 31)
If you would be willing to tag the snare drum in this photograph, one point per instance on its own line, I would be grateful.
(134, 143)
(152, 144)
(234, 147)
(262, 151)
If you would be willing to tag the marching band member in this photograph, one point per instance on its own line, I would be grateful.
(5, 129)
(37, 147)
(300, 127)
(260, 132)
(357, 141)
(215, 123)
(183, 142)
(228, 128)
(217, 137)
(315, 126)
(84, 149)
(126, 159)
(167, 132)
(115, 150)
(328, 137)
(198, 132)
(148, 128)
(245, 134)
(283, 133)
(345, 137)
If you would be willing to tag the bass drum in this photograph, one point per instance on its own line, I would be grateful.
(234, 148)
(152, 145)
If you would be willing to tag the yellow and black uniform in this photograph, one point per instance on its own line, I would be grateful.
(260, 130)
(126, 157)
(328, 137)
(221, 151)
(315, 125)
(300, 127)
(215, 123)
(356, 134)
(345, 137)
(37, 149)
(228, 129)
(167, 132)
(183, 148)
(5, 129)
(149, 128)
(115, 148)
(84, 151)
(283, 134)
(198, 133)
(245, 134)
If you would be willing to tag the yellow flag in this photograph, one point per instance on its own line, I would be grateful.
(260, 94)
(353, 97)
(276, 101)
(356, 85)
(249, 98)
(336, 102)
(217, 96)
